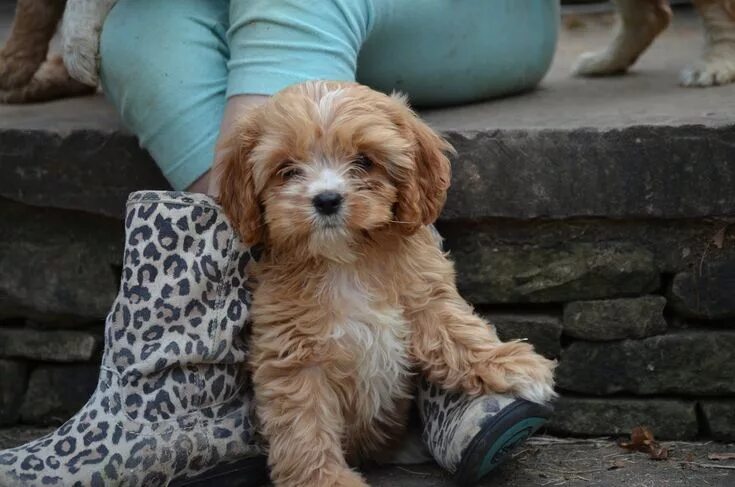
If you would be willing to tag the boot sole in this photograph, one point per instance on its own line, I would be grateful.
(250, 472)
(492, 445)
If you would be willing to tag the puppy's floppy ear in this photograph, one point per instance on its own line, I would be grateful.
(422, 195)
(238, 195)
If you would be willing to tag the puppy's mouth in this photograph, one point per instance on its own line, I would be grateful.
(331, 222)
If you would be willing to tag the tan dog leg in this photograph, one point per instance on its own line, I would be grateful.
(33, 27)
(640, 22)
(717, 65)
(301, 418)
(459, 350)
(51, 81)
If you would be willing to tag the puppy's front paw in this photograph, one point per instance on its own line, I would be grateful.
(598, 64)
(516, 369)
(717, 71)
(532, 388)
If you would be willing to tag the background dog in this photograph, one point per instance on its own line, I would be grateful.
(641, 21)
(339, 183)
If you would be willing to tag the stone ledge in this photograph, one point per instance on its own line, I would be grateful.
(84, 169)
(521, 174)
(588, 172)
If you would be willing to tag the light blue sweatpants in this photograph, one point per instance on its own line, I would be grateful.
(169, 66)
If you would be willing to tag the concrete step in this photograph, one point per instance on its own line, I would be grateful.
(637, 146)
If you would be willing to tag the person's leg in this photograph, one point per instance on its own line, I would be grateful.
(164, 67)
(452, 52)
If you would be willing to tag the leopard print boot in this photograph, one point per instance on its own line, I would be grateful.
(469, 437)
(172, 405)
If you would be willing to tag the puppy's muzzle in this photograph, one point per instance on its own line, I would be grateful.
(327, 202)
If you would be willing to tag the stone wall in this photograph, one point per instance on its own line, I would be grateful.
(600, 235)
(639, 312)
(640, 315)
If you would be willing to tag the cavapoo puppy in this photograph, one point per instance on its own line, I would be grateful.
(641, 21)
(338, 183)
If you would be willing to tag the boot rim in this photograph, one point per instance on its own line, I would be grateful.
(172, 197)
(502, 433)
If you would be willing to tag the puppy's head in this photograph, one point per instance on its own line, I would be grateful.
(323, 164)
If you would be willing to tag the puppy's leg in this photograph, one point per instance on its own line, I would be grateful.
(640, 22)
(301, 418)
(81, 29)
(50, 82)
(33, 27)
(717, 66)
(460, 351)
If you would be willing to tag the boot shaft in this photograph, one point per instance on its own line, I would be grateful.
(174, 336)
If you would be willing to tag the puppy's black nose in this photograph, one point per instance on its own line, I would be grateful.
(328, 202)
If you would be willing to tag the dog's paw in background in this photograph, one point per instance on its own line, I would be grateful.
(717, 66)
(641, 21)
(49, 82)
(15, 70)
(25, 49)
(81, 28)
(710, 73)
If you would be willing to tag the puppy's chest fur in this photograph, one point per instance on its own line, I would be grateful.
(373, 333)
(347, 323)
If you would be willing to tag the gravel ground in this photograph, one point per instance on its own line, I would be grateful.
(547, 461)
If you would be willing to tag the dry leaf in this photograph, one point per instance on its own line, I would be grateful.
(721, 456)
(642, 439)
(616, 465)
(718, 239)
(658, 452)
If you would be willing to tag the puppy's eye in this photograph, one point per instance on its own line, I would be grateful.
(290, 172)
(363, 162)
